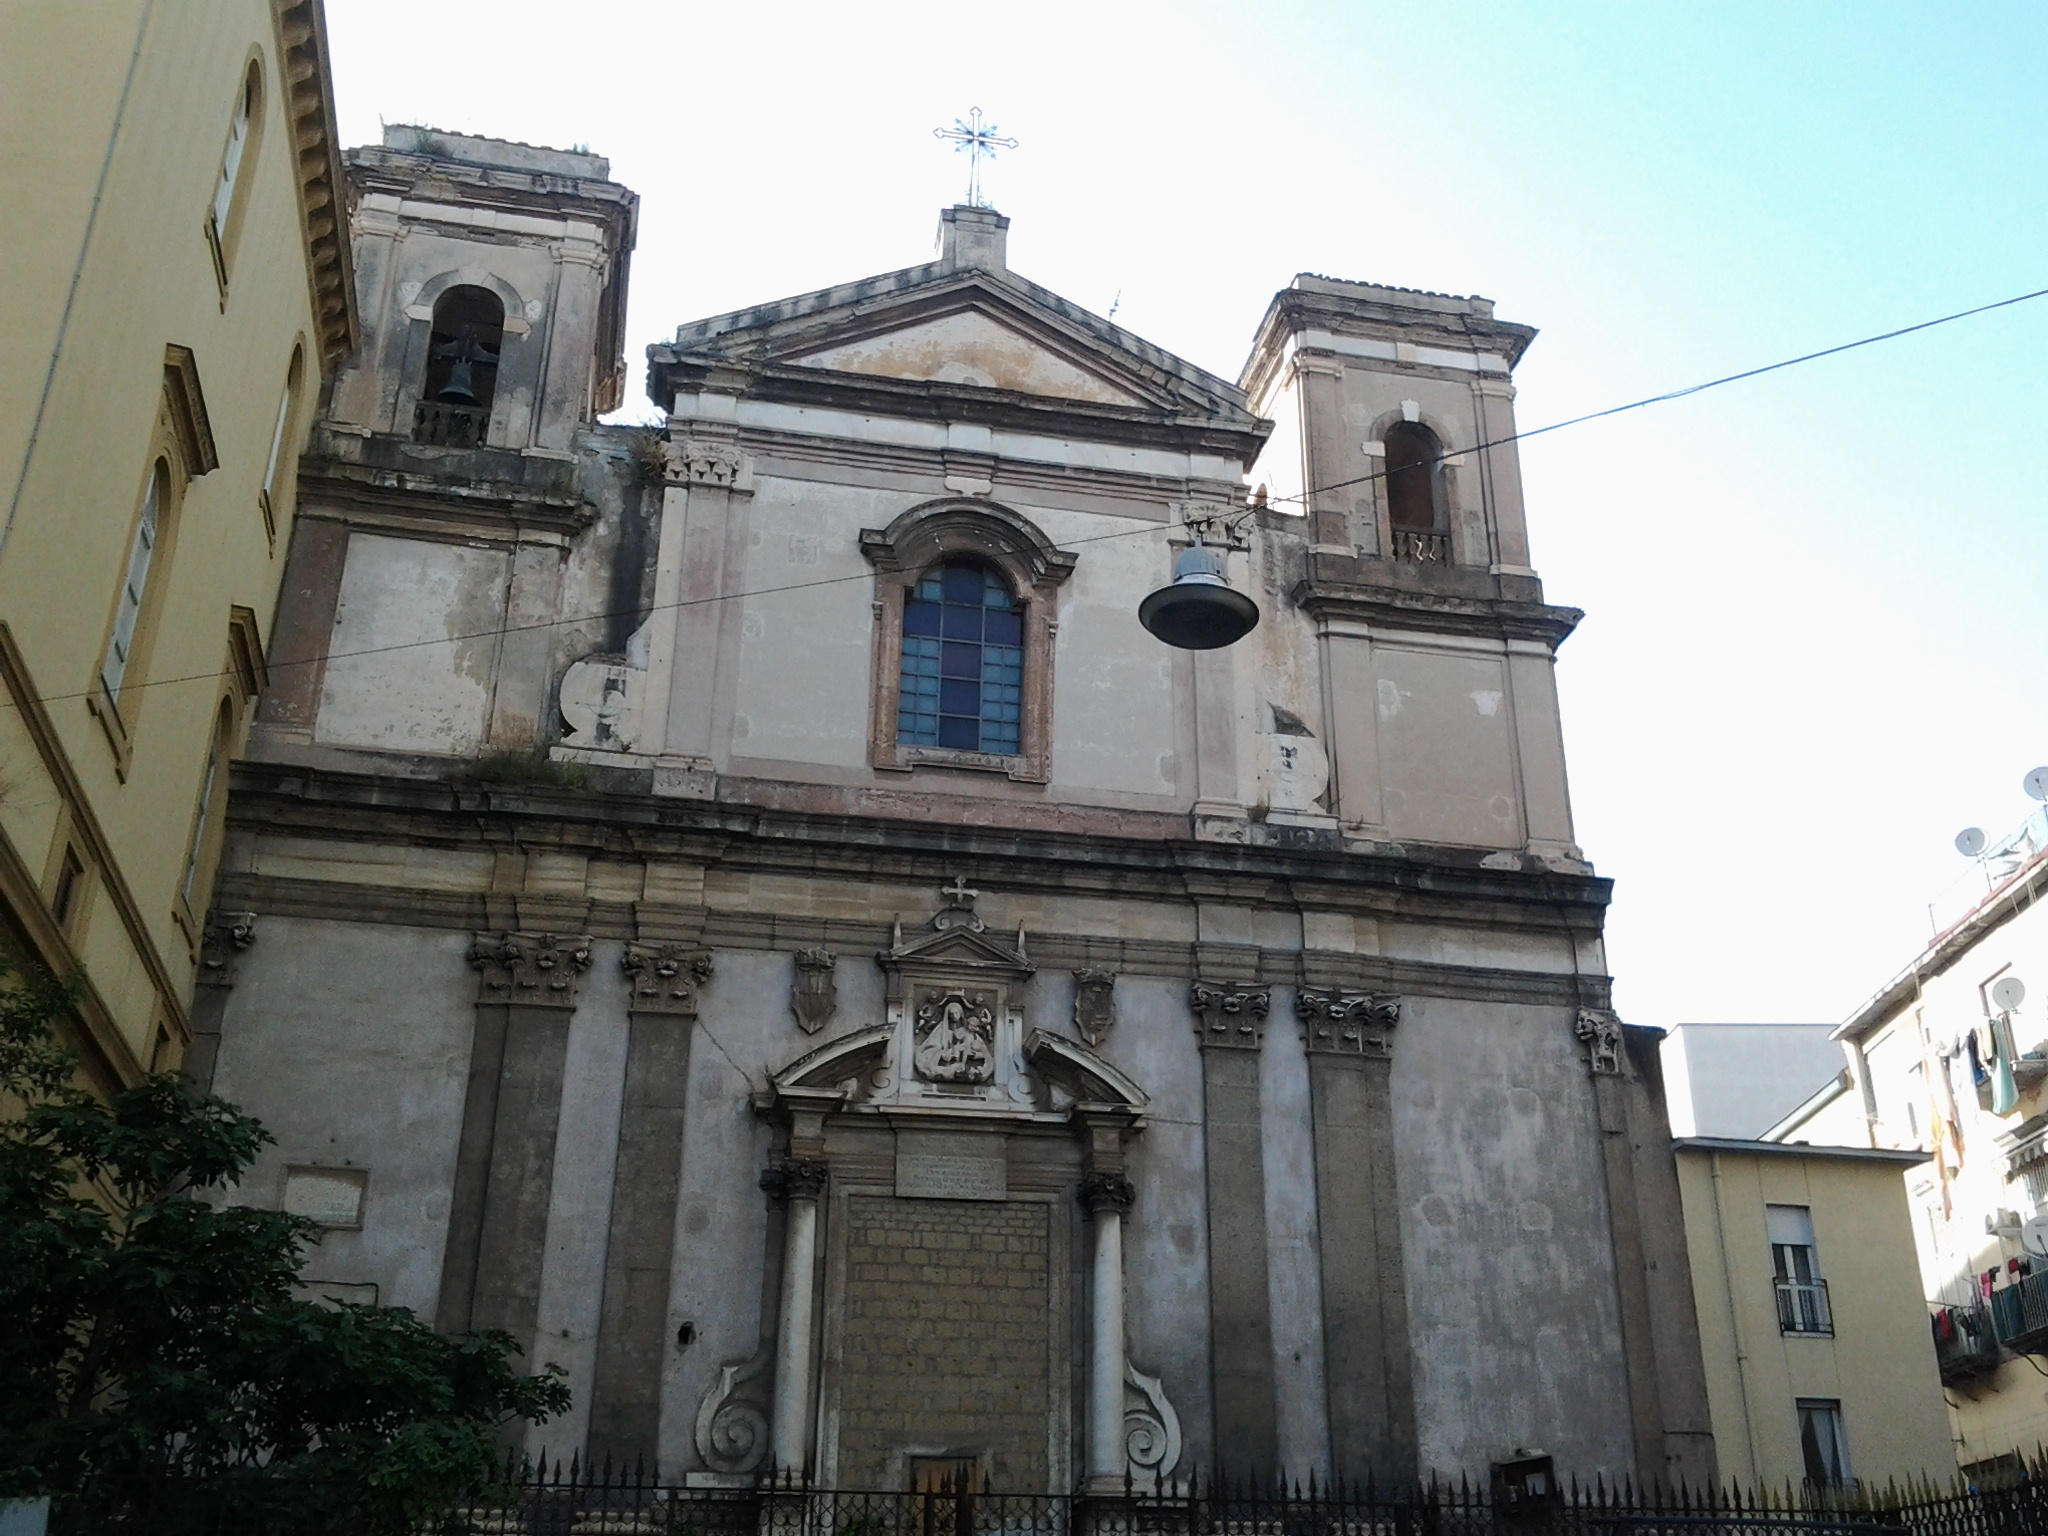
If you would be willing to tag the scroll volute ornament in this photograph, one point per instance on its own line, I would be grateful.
(815, 996)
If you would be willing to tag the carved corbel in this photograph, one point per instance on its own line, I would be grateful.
(665, 977)
(815, 996)
(226, 936)
(1347, 1023)
(1094, 1004)
(529, 967)
(1600, 1029)
(1230, 1016)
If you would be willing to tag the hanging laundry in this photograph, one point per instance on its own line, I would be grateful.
(2005, 1093)
(1978, 1075)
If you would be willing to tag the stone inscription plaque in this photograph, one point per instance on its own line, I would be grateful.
(935, 1165)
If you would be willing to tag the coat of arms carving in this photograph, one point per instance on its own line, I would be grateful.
(1094, 1004)
(815, 996)
(955, 1033)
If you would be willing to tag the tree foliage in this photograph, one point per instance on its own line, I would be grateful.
(151, 1330)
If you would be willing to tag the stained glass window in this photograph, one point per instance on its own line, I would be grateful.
(963, 662)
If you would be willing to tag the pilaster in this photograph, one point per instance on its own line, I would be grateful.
(1368, 1363)
(632, 1334)
(1230, 1022)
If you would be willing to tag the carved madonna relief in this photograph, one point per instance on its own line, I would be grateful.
(954, 1035)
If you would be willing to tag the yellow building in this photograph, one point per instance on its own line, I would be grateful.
(1819, 1363)
(177, 285)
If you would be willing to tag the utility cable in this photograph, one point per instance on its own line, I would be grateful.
(1121, 533)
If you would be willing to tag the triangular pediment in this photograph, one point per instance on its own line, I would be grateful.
(973, 347)
(951, 328)
(965, 947)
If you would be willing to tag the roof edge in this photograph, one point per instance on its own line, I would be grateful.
(308, 83)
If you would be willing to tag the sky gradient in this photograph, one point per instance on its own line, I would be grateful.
(1815, 630)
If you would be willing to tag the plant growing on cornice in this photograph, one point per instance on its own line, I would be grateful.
(152, 1339)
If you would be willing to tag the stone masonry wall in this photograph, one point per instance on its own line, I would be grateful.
(947, 1335)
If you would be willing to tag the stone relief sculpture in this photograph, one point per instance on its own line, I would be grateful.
(1094, 1004)
(1229, 1014)
(226, 936)
(1601, 1030)
(1151, 1430)
(955, 1032)
(732, 1416)
(815, 996)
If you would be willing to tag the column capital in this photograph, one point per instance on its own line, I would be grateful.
(665, 977)
(796, 1178)
(1343, 1022)
(534, 968)
(227, 935)
(1229, 1015)
(1106, 1192)
(1600, 1029)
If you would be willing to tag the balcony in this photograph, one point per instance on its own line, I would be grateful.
(1413, 548)
(449, 426)
(1803, 1308)
(2019, 1314)
(1964, 1345)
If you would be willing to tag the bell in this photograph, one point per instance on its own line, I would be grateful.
(1200, 611)
(459, 390)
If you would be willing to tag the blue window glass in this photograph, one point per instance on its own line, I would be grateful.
(963, 662)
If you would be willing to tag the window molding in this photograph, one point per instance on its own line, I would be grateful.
(186, 402)
(1035, 569)
(228, 207)
(243, 676)
(281, 468)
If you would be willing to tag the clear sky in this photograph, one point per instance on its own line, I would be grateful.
(1815, 629)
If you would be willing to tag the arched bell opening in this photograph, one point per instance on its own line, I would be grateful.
(466, 337)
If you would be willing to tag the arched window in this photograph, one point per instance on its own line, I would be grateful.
(462, 368)
(294, 381)
(135, 585)
(1412, 474)
(211, 784)
(229, 186)
(962, 683)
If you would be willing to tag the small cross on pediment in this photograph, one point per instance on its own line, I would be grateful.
(959, 893)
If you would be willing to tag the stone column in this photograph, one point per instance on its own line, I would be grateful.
(1230, 1019)
(505, 1165)
(1105, 1197)
(707, 479)
(632, 1330)
(1607, 1061)
(1367, 1365)
(800, 1184)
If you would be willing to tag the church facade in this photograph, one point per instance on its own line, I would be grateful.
(744, 906)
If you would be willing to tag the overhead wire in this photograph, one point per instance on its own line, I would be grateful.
(1121, 533)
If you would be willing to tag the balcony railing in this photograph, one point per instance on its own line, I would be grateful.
(449, 426)
(1803, 1307)
(1412, 548)
(2019, 1313)
(1964, 1344)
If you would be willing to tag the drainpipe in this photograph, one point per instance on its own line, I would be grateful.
(1756, 1470)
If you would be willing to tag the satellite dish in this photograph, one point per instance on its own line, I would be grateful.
(1970, 842)
(2036, 784)
(2007, 993)
(2034, 1236)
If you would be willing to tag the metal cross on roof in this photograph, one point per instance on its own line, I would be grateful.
(975, 140)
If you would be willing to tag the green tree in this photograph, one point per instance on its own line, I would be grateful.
(149, 1335)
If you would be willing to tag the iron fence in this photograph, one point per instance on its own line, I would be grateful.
(575, 1501)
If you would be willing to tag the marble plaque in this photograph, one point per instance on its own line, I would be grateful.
(936, 1165)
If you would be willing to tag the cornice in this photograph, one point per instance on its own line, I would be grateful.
(1386, 608)
(315, 145)
(1436, 885)
(1430, 320)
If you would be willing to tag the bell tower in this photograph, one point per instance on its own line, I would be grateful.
(493, 280)
(1394, 428)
